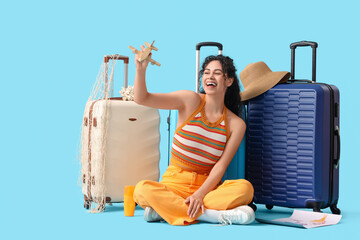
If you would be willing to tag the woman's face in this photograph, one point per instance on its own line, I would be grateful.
(214, 80)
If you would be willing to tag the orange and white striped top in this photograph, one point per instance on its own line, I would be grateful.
(198, 144)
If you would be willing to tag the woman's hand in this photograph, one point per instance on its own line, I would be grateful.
(195, 202)
(141, 66)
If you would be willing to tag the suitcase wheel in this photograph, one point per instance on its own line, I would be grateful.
(268, 206)
(316, 209)
(87, 205)
(334, 209)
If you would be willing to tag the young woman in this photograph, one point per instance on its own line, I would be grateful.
(207, 137)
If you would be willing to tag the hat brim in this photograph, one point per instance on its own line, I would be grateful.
(263, 84)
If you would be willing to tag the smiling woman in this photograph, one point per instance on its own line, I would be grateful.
(208, 134)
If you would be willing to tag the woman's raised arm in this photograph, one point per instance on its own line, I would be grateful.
(174, 100)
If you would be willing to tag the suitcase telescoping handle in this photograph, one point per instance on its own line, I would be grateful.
(198, 46)
(293, 46)
(126, 64)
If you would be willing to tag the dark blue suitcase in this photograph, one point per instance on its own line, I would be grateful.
(293, 143)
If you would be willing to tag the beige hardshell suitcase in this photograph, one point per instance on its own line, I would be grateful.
(121, 147)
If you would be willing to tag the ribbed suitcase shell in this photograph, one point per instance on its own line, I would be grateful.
(131, 148)
(288, 151)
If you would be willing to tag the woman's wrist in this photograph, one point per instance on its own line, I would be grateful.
(199, 194)
(141, 71)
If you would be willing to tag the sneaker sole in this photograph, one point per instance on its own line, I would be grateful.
(148, 215)
(251, 212)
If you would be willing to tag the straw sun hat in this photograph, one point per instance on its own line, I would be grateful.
(257, 78)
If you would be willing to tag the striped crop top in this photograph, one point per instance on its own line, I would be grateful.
(198, 144)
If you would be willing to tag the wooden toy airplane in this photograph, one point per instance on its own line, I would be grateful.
(146, 54)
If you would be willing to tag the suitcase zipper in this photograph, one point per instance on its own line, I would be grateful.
(90, 179)
(332, 147)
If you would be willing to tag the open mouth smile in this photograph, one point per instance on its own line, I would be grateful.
(211, 84)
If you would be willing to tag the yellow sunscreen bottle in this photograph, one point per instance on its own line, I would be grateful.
(129, 203)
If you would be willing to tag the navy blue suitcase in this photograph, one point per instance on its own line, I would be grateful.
(293, 143)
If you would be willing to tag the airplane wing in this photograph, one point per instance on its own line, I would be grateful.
(149, 46)
(153, 61)
(135, 51)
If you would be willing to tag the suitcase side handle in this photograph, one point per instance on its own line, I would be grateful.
(198, 46)
(337, 135)
(293, 46)
(107, 58)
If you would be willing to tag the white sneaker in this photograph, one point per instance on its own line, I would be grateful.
(151, 215)
(239, 215)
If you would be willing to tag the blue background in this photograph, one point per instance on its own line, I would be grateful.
(51, 52)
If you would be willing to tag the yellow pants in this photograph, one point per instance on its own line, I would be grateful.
(167, 197)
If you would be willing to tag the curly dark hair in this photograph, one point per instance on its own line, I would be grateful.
(232, 97)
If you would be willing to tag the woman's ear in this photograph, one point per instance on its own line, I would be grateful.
(229, 81)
